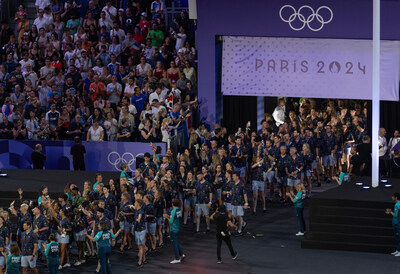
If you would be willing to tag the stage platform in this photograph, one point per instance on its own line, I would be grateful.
(352, 218)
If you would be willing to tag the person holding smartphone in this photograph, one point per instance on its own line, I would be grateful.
(223, 221)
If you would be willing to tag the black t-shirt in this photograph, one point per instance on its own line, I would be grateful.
(78, 151)
(357, 162)
(364, 150)
(6, 135)
(124, 130)
(38, 159)
(74, 126)
(221, 219)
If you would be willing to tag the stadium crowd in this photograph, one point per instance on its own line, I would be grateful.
(106, 71)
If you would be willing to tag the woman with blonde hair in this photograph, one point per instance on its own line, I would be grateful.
(298, 202)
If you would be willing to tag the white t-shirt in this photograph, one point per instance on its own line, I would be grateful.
(42, 4)
(129, 90)
(95, 134)
(41, 23)
(180, 42)
(111, 10)
(160, 98)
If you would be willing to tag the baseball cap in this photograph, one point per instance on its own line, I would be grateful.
(121, 10)
(181, 51)
(144, 14)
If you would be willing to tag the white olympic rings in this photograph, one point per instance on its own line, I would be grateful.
(303, 19)
(126, 158)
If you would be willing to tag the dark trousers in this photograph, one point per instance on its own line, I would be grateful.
(79, 166)
(396, 230)
(104, 254)
(228, 242)
(300, 218)
(53, 266)
(175, 244)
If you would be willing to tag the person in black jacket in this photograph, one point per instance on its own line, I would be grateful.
(38, 157)
(223, 221)
(78, 153)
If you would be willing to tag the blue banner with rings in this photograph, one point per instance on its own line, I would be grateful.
(104, 156)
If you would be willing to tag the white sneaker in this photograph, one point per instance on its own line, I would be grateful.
(300, 234)
(59, 267)
(77, 263)
(66, 265)
(395, 253)
(175, 262)
(83, 261)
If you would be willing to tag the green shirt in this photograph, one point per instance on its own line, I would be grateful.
(154, 34)
(52, 250)
(343, 177)
(298, 200)
(103, 238)
(175, 220)
(396, 213)
(13, 263)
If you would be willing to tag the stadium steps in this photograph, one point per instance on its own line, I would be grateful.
(355, 226)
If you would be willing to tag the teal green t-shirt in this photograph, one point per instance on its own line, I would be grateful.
(52, 250)
(13, 263)
(396, 213)
(298, 200)
(343, 177)
(175, 220)
(103, 238)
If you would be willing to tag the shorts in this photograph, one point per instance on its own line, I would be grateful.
(79, 237)
(160, 221)
(190, 201)
(293, 182)
(139, 237)
(2, 262)
(40, 246)
(328, 160)
(307, 173)
(26, 261)
(125, 226)
(202, 209)
(228, 206)
(63, 240)
(258, 185)
(151, 228)
(347, 149)
(282, 181)
(218, 193)
(237, 211)
(242, 171)
(269, 176)
(314, 164)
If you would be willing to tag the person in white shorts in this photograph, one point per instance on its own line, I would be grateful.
(29, 242)
(239, 201)
(203, 191)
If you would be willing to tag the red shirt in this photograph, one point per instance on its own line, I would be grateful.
(144, 27)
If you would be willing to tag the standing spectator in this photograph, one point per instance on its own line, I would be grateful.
(157, 9)
(78, 153)
(239, 201)
(95, 133)
(279, 113)
(393, 141)
(203, 192)
(298, 202)
(38, 157)
(383, 148)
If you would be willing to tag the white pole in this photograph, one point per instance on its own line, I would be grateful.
(375, 91)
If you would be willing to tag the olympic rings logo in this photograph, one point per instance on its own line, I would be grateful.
(128, 158)
(302, 18)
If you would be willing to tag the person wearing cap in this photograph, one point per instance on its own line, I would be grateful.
(223, 222)
(144, 24)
